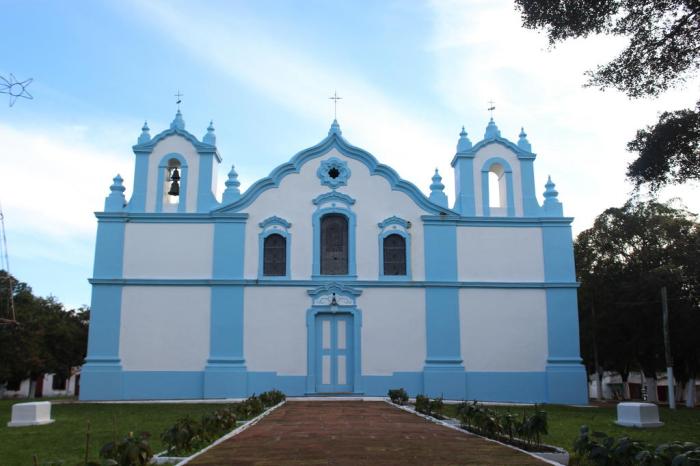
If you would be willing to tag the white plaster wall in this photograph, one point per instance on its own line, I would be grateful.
(165, 328)
(375, 201)
(498, 150)
(503, 330)
(500, 254)
(275, 329)
(393, 330)
(179, 145)
(168, 250)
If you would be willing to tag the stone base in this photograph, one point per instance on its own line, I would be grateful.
(638, 415)
(31, 414)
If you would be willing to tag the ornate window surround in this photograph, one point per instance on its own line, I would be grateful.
(338, 203)
(274, 225)
(394, 226)
(343, 172)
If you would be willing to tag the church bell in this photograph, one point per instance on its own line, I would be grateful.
(175, 186)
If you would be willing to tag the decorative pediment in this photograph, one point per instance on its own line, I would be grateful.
(334, 196)
(274, 220)
(394, 220)
(333, 172)
(334, 294)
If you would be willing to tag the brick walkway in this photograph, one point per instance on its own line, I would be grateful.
(355, 433)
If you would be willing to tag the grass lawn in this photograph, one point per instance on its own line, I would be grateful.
(65, 438)
(565, 421)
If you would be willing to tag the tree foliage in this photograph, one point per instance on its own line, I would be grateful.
(48, 339)
(663, 52)
(622, 262)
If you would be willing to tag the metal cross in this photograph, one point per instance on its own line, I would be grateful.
(179, 100)
(335, 100)
(491, 107)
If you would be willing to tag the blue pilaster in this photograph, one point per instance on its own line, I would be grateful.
(443, 373)
(138, 197)
(101, 375)
(225, 375)
(531, 207)
(205, 197)
(566, 376)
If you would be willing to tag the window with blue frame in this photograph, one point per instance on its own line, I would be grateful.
(334, 244)
(275, 255)
(394, 255)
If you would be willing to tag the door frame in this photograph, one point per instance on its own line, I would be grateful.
(311, 333)
(334, 351)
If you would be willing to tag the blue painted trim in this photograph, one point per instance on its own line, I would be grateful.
(334, 196)
(101, 373)
(558, 253)
(442, 327)
(531, 208)
(334, 352)
(516, 387)
(519, 152)
(138, 197)
(394, 220)
(343, 173)
(352, 224)
(201, 147)
(465, 201)
(311, 339)
(174, 217)
(229, 250)
(109, 249)
(275, 220)
(440, 249)
(334, 141)
(309, 283)
(184, 178)
(508, 172)
(205, 196)
(261, 254)
(496, 221)
(407, 237)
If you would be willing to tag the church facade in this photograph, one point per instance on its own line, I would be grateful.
(333, 275)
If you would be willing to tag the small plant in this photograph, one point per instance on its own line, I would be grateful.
(130, 451)
(185, 436)
(423, 404)
(250, 408)
(216, 424)
(272, 398)
(436, 407)
(398, 396)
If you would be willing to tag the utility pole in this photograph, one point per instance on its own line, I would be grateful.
(667, 346)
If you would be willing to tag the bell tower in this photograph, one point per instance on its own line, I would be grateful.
(174, 171)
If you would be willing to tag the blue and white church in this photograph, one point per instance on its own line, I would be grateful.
(333, 275)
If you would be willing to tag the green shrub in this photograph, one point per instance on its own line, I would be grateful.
(436, 407)
(599, 449)
(185, 436)
(218, 423)
(272, 398)
(130, 451)
(250, 408)
(398, 396)
(423, 404)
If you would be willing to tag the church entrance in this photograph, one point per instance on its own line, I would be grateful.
(334, 353)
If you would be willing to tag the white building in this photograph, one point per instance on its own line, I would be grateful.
(333, 275)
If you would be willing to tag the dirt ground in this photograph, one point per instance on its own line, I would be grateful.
(355, 433)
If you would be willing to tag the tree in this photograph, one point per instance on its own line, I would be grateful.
(48, 339)
(663, 52)
(622, 262)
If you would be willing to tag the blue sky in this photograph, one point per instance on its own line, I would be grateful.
(411, 73)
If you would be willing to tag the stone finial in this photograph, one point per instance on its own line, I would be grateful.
(178, 122)
(116, 200)
(335, 128)
(232, 192)
(552, 206)
(210, 137)
(523, 143)
(437, 191)
(492, 131)
(464, 144)
(145, 136)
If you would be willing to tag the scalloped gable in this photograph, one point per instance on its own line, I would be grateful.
(201, 147)
(334, 141)
(519, 152)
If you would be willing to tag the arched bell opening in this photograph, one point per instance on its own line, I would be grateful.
(173, 178)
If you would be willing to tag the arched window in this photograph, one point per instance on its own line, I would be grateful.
(334, 245)
(275, 255)
(173, 175)
(394, 255)
(497, 186)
